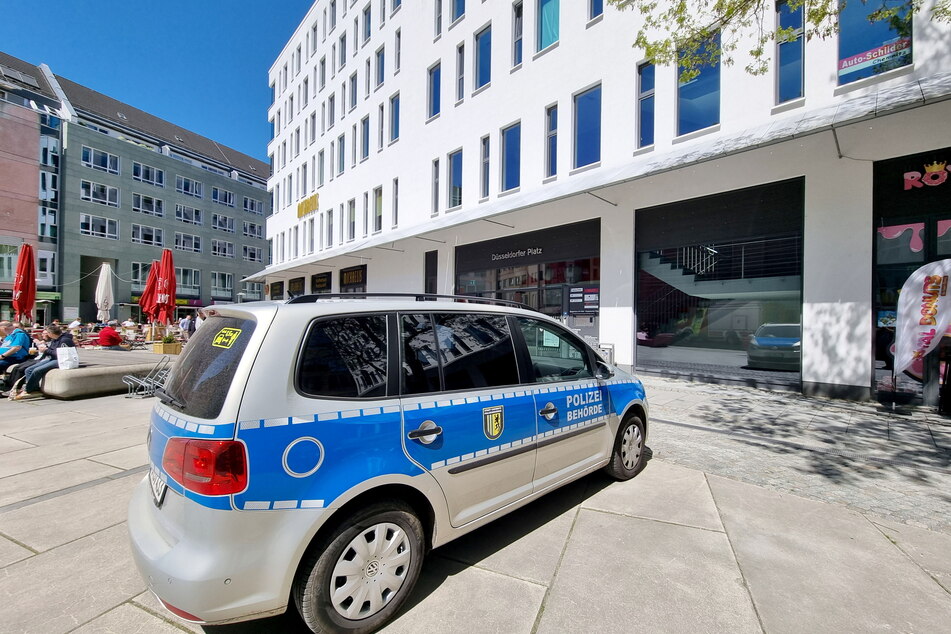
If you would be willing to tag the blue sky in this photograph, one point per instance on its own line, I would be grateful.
(201, 64)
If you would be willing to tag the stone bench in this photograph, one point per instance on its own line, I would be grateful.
(96, 380)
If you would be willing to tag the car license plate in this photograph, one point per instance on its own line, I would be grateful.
(158, 487)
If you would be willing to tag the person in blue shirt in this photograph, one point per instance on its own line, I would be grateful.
(15, 346)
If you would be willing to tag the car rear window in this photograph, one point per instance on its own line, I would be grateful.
(203, 374)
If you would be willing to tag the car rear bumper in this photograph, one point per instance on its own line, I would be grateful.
(219, 566)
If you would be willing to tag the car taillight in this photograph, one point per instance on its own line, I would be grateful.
(209, 467)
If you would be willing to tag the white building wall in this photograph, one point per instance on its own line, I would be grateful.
(838, 207)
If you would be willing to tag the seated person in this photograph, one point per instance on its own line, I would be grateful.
(109, 339)
(43, 364)
(15, 346)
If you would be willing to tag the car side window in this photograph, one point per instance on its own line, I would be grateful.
(476, 351)
(418, 353)
(555, 355)
(345, 358)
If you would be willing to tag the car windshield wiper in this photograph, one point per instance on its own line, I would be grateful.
(165, 397)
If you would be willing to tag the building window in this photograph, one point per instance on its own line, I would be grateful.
(342, 60)
(511, 156)
(380, 66)
(222, 248)
(587, 137)
(789, 56)
(365, 137)
(517, 34)
(188, 186)
(98, 226)
(47, 223)
(353, 91)
(397, 53)
(458, 9)
(484, 190)
(140, 274)
(98, 193)
(188, 215)
(547, 23)
(394, 117)
(645, 105)
(320, 168)
(435, 197)
(331, 110)
(252, 254)
(868, 48)
(188, 281)
(367, 26)
(49, 151)
(142, 234)
(322, 66)
(222, 223)
(377, 209)
(147, 205)
(148, 174)
(224, 197)
(379, 122)
(483, 64)
(698, 99)
(437, 18)
(351, 219)
(396, 201)
(595, 8)
(330, 228)
(366, 214)
(253, 206)
(454, 179)
(460, 71)
(99, 160)
(222, 284)
(434, 81)
(551, 140)
(187, 242)
(253, 230)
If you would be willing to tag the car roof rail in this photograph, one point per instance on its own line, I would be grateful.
(419, 297)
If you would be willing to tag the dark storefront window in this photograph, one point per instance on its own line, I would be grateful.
(712, 296)
(912, 199)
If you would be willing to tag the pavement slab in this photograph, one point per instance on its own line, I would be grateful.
(11, 552)
(25, 486)
(128, 458)
(63, 588)
(127, 619)
(815, 567)
(148, 602)
(60, 520)
(929, 550)
(662, 491)
(8, 444)
(623, 574)
(71, 447)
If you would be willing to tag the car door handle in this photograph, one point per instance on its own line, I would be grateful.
(549, 411)
(425, 433)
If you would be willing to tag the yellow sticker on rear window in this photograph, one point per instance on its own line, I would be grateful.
(226, 337)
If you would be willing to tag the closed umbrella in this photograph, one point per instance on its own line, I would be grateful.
(104, 297)
(147, 298)
(24, 284)
(165, 289)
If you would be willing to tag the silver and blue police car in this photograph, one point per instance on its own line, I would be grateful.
(308, 454)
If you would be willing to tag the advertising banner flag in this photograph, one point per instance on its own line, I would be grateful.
(924, 313)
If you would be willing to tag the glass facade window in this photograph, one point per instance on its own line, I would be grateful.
(484, 176)
(98, 226)
(454, 166)
(511, 157)
(547, 27)
(483, 64)
(377, 209)
(789, 79)
(587, 137)
(143, 234)
(551, 141)
(187, 242)
(395, 117)
(868, 48)
(458, 9)
(98, 193)
(645, 105)
(102, 161)
(595, 8)
(460, 71)
(434, 80)
(353, 91)
(517, 28)
(698, 98)
(380, 66)
(435, 193)
(365, 137)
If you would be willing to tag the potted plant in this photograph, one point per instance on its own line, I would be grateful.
(167, 345)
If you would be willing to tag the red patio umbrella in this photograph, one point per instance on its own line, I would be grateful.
(147, 298)
(165, 289)
(24, 284)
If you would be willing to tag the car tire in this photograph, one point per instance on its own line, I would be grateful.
(364, 571)
(628, 457)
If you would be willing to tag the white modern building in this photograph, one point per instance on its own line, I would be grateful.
(525, 150)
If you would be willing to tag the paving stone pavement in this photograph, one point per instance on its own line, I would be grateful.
(758, 512)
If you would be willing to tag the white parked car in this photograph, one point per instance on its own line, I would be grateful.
(311, 452)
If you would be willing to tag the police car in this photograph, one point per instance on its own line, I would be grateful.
(310, 453)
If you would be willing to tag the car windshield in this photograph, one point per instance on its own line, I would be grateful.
(783, 331)
(201, 378)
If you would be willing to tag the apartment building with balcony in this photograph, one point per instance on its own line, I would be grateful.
(525, 150)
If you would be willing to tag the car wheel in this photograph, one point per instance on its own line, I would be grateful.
(628, 458)
(364, 573)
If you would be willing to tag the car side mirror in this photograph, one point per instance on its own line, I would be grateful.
(603, 371)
